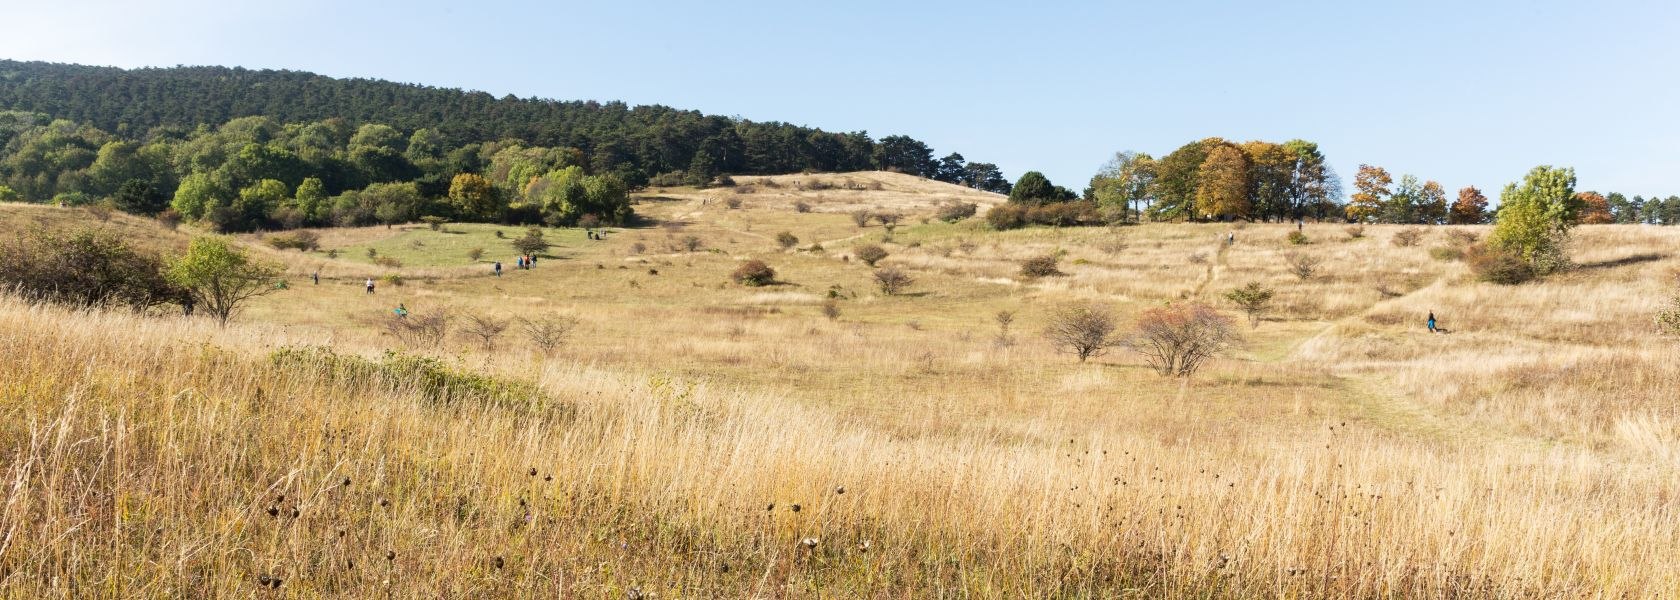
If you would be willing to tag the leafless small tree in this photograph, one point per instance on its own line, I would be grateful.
(892, 280)
(831, 308)
(1177, 339)
(861, 218)
(1004, 319)
(548, 333)
(1304, 266)
(485, 329)
(421, 330)
(1084, 330)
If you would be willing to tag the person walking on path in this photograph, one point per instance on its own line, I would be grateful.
(370, 285)
(1432, 322)
(316, 276)
(1231, 239)
(498, 268)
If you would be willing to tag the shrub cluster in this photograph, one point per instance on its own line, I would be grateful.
(1059, 214)
(301, 239)
(85, 268)
(1497, 265)
(754, 273)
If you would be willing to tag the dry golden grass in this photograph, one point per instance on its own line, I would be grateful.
(1345, 452)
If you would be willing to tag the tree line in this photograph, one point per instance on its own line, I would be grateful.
(79, 133)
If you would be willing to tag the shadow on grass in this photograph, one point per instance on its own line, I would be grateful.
(1623, 261)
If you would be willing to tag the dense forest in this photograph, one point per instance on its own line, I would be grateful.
(247, 149)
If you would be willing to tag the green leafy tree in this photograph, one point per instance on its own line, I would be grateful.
(1033, 187)
(1535, 217)
(1123, 186)
(1177, 179)
(312, 199)
(197, 195)
(220, 277)
(473, 197)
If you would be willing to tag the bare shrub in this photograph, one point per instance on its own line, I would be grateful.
(1408, 237)
(869, 254)
(1461, 237)
(952, 212)
(485, 329)
(754, 273)
(690, 243)
(786, 240)
(1254, 299)
(420, 330)
(801, 206)
(831, 308)
(475, 254)
(861, 217)
(548, 333)
(888, 218)
(892, 280)
(1354, 232)
(1004, 319)
(732, 203)
(1303, 265)
(1083, 330)
(1044, 265)
(1176, 340)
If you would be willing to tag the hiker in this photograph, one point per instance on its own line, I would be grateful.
(498, 268)
(519, 261)
(1299, 223)
(316, 276)
(370, 285)
(1432, 322)
(531, 261)
(401, 311)
(1231, 239)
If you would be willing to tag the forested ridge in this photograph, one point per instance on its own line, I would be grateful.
(266, 148)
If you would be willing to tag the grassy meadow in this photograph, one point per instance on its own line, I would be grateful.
(698, 438)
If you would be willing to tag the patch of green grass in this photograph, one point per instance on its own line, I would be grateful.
(422, 247)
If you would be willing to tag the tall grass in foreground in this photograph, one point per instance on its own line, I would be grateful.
(156, 458)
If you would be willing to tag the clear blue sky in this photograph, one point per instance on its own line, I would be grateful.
(1463, 92)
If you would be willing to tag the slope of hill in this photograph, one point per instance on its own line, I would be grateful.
(696, 437)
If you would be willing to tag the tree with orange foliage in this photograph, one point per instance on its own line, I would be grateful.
(1593, 209)
(1372, 192)
(1469, 209)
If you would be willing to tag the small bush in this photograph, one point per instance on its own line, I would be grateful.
(1446, 253)
(304, 240)
(1007, 216)
(1668, 319)
(392, 279)
(861, 218)
(1045, 265)
(1355, 232)
(638, 248)
(1083, 330)
(1408, 237)
(690, 243)
(549, 332)
(892, 280)
(668, 179)
(869, 254)
(434, 222)
(732, 203)
(1254, 299)
(1299, 239)
(831, 308)
(786, 240)
(1495, 265)
(952, 212)
(475, 254)
(484, 329)
(801, 206)
(531, 243)
(754, 273)
(1304, 266)
(1176, 340)
(1462, 238)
